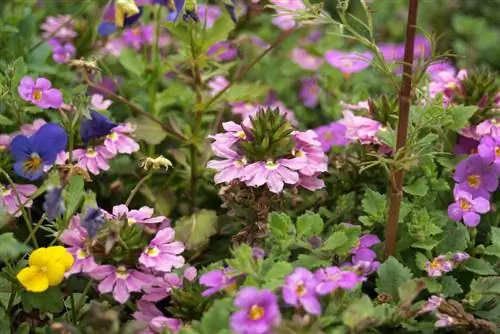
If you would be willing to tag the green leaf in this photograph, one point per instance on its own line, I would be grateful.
(486, 285)
(334, 241)
(495, 235)
(20, 70)
(456, 238)
(195, 230)
(450, 286)
(245, 92)
(418, 188)
(178, 30)
(479, 266)
(309, 225)
(50, 300)
(391, 275)
(219, 31)
(216, 318)
(4, 321)
(73, 195)
(132, 61)
(360, 310)
(280, 225)
(421, 260)
(374, 204)
(409, 290)
(388, 137)
(11, 248)
(432, 285)
(460, 116)
(5, 120)
(428, 244)
(311, 261)
(275, 275)
(148, 130)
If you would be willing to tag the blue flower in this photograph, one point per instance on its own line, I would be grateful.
(119, 14)
(175, 7)
(93, 221)
(97, 126)
(53, 204)
(33, 153)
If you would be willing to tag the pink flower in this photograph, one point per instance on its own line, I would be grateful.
(361, 105)
(118, 140)
(360, 128)
(142, 216)
(40, 93)
(93, 159)
(62, 53)
(52, 27)
(244, 109)
(285, 18)
(305, 60)
(10, 200)
(29, 129)
(490, 127)
(309, 147)
(99, 103)
(190, 273)
(162, 287)
(348, 62)
(157, 323)
(162, 252)
(113, 47)
(5, 142)
(120, 281)
(438, 266)
(217, 84)
(232, 167)
(76, 236)
(274, 173)
(208, 14)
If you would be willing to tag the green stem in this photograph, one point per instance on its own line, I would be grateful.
(81, 300)
(137, 187)
(21, 206)
(37, 226)
(73, 310)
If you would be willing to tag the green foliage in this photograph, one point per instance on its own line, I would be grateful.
(309, 225)
(195, 230)
(11, 248)
(49, 301)
(273, 278)
(73, 195)
(375, 206)
(391, 275)
(479, 266)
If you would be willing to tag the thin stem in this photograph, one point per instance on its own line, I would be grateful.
(21, 206)
(397, 174)
(37, 226)
(81, 300)
(137, 187)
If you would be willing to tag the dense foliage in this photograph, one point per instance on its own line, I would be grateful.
(232, 166)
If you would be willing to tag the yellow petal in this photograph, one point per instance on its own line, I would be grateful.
(119, 17)
(61, 255)
(54, 273)
(39, 257)
(33, 279)
(129, 7)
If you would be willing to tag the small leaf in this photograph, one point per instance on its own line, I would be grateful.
(460, 116)
(5, 120)
(450, 286)
(275, 275)
(280, 225)
(374, 203)
(132, 61)
(311, 261)
(148, 130)
(432, 285)
(309, 225)
(456, 238)
(418, 188)
(495, 235)
(10, 247)
(219, 31)
(335, 241)
(479, 266)
(360, 310)
(391, 275)
(216, 318)
(73, 195)
(486, 285)
(195, 230)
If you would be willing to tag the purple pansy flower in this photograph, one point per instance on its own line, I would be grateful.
(258, 312)
(476, 177)
(467, 208)
(333, 134)
(332, 278)
(162, 252)
(300, 289)
(217, 280)
(40, 93)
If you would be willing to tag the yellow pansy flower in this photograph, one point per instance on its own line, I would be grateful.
(46, 268)
(124, 8)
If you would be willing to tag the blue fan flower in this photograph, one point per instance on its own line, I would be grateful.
(54, 204)
(93, 221)
(33, 153)
(95, 127)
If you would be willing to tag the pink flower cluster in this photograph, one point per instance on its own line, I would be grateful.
(248, 109)
(443, 264)
(61, 33)
(300, 168)
(445, 81)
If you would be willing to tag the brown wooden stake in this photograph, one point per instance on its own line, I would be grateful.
(397, 176)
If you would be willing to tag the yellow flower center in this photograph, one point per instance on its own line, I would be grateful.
(241, 135)
(346, 63)
(327, 136)
(300, 289)
(231, 287)
(152, 251)
(136, 31)
(121, 272)
(299, 153)
(91, 153)
(131, 221)
(241, 162)
(497, 151)
(113, 136)
(464, 205)
(474, 181)
(256, 312)
(33, 163)
(81, 254)
(271, 165)
(434, 265)
(37, 95)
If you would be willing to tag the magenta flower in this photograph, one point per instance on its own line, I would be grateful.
(244, 109)
(285, 18)
(490, 127)
(5, 142)
(208, 14)
(75, 237)
(258, 312)
(99, 103)
(311, 183)
(459, 257)
(332, 278)
(466, 145)
(467, 208)
(333, 134)
(360, 128)
(157, 323)
(138, 37)
(489, 150)
(142, 216)
(274, 173)
(40, 93)
(10, 200)
(435, 69)
(422, 47)
(119, 141)
(306, 60)
(438, 266)
(365, 242)
(300, 288)
(29, 129)
(309, 92)
(120, 281)
(348, 62)
(113, 47)
(476, 177)
(217, 84)
(62, 53)
(232, 167)
(432, 304)
(162, 287)
(392, 52)
(162, 252)
(59, 27)
(223, 51)
(309, 147)
(217, 280)
(93, 159)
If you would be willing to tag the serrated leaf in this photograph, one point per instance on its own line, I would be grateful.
(195, 230)
(420, 260)
(391, 275)
(73, 195)
(495, 235)
(280, 225)
(432, 285)
(479, 266)
(245, 92)
(311, 261)
(358, 311)
(309, 225)
(486, 285)
(334, 241)
(148, 130)
(418, 188)
(450, 286)
(5, 120)
(216, 318)
(455, 238)
(132, 61)
(374, 203)
(460, 116)
(428, 244)
(10, 247)
(276, 274)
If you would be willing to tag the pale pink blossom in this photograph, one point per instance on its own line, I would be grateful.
(93, 159)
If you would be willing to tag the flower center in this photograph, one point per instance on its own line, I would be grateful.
(346, 63)
(136, 31)
(298, 153)
(271, 165)
(5, 191)
(497, 151)
(241, 135)
(113, 136)
(152, 251)
(37, 94)
(82, 254)
(435, 264)
(241, 162)
(327, 136)
(33, 163)
(300, 289)
(121, 272)
(131, 221)
(474, 181)
(464, 205)
(256, 312)
(91, 153)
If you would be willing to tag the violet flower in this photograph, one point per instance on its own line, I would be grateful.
(392, 52)
(208, 14)
(285, 18)
(217, 84)
(432, 304)
(438, 266)
(306, 60)
(93, 159)
(62, 53)
(162, 287)
(309, 92)
(332, 278)
(489, 150)
(223, 51)
(467, 208)
(348, 62)
(333, 134)
(59, 27)
(119, 140)
(300, 289)
(162, 252)
(40, 93)
(258, 312)
(360, 128)
(217, 280)
(157, 323)
(142, 216)
(476, 177)
(444, 320)
(490, 127)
